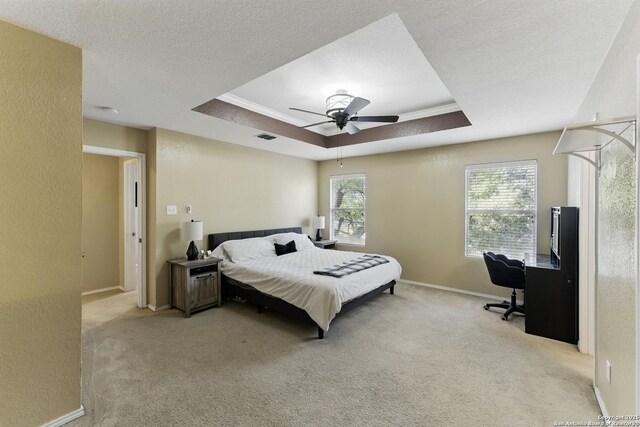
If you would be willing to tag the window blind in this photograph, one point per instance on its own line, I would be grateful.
(501, 204)
(348, 208)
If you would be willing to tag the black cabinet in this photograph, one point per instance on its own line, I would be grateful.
(551, 288)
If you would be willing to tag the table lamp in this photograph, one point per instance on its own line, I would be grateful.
(318, 222)
(192, 230)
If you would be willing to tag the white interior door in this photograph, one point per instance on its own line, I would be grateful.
(132, 220)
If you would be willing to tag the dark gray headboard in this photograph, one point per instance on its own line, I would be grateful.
(217, 238)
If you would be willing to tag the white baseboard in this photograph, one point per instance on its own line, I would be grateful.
(154, 308)
(66, 418)
(97, 291)
(458, 290)
(603, 408)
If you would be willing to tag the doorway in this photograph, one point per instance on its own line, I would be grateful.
(133, 214)
(132, 220)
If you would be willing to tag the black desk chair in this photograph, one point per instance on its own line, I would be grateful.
(508, 273)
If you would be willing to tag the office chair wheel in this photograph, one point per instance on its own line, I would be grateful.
(486, 307)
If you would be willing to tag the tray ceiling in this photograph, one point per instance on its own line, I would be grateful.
(513, 67)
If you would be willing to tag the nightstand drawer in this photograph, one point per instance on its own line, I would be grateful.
(204, 270)
(203, 289)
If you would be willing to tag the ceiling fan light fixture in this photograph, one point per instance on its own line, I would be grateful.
(338, 102)
(342, 109)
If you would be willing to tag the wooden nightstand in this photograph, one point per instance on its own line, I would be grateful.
(325, 244)
(194, 285)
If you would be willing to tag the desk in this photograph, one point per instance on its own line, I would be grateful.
(551, 290)
(551, 302)
(539, 261)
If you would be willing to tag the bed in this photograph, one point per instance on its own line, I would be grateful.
(251, 271)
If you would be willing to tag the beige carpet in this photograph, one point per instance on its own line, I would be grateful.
(421, 357)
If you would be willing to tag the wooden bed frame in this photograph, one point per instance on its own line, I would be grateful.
(234, 289)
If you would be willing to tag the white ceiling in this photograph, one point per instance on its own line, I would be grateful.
(380, 62)
(513, 66)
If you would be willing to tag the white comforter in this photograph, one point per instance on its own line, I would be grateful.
(290, 277)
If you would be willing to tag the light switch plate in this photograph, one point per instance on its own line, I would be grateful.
(189, 209)
(172, 210)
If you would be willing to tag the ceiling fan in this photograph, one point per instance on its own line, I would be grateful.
(342, 109)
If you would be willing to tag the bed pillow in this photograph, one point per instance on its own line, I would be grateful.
(285, 249)
(219, 252)
(302, 240)
(244, 250)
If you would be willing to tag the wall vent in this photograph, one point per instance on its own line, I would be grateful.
(265, 136)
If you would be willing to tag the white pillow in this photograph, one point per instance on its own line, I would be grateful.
(219, 252)
(302, 240)
(244, 250)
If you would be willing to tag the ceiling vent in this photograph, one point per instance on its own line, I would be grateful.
(265, 136)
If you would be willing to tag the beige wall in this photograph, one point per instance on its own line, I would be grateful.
(230, 187)
(100, 222)
(613, 94)
(416, 206)
(117, 137)
(40, 236)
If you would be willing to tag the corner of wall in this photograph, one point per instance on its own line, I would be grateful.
(151, 216)
(613, 94)
(41, 194)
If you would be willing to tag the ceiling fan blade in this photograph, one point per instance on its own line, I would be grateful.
(387, 119)
(307, 111)
(356, 105)
(319, 123)
(351, 128)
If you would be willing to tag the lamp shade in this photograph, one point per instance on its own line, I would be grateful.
(192, 230)
(318, 222)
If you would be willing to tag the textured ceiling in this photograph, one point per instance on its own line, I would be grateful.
(513, 66)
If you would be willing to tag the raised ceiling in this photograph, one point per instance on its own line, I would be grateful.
(513, 67)
(380, 62)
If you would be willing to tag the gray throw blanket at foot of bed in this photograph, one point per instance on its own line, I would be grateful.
(353, 266)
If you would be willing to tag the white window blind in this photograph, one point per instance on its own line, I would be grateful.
(501, 204)
(348, 208)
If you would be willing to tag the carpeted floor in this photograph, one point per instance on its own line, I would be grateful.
(421, 357)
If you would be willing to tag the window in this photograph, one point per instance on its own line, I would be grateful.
(347, 209)
(501, 209)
